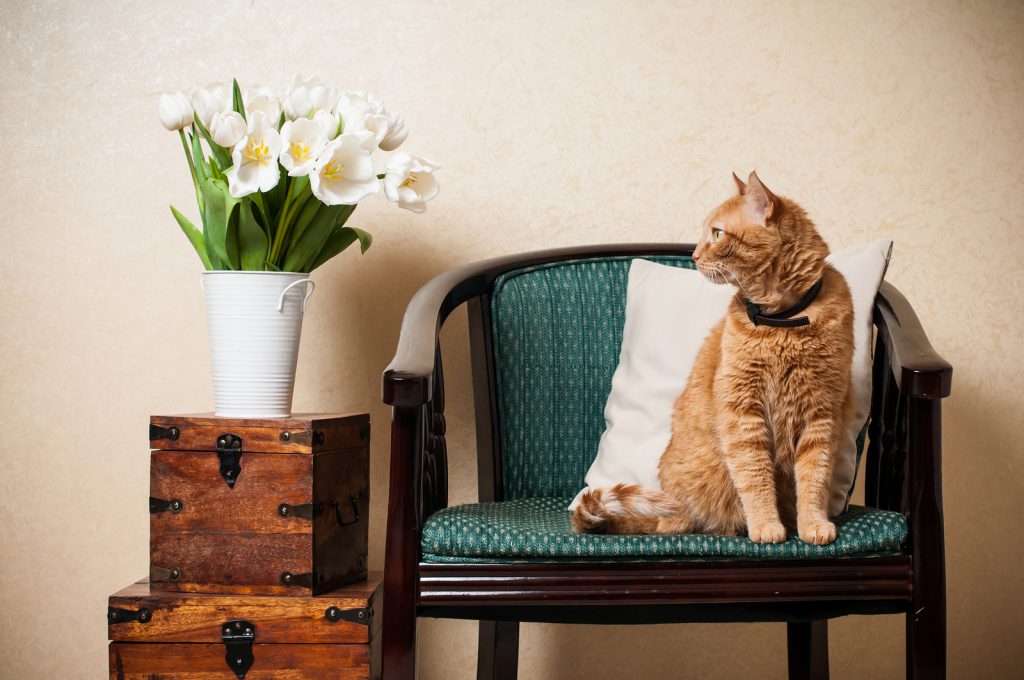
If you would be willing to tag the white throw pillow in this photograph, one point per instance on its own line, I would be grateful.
(669, 313)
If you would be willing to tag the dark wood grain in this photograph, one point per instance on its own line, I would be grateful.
(211, 506)
(176, 661)
(340, 548)
(881, 578)
(490, 482)
(401, 550)
(196, 617)
(926, 619)
(231, 563)
(918, 369)
(235, 538)
(498, 650)
(807, 646)
(199, 432)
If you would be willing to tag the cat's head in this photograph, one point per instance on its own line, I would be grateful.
(753, 239)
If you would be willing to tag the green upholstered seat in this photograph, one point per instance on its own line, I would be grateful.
(538, 529)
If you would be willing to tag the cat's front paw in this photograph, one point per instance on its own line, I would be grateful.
(821, 532)
(767, 532)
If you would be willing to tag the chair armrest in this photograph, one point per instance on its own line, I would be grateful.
(408, 378)
(917, 368)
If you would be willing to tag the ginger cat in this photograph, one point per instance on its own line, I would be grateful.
(756, 429)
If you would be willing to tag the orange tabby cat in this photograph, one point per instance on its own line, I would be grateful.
(755, 431)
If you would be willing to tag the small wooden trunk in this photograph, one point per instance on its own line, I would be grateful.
(193, 636)
(275, 506)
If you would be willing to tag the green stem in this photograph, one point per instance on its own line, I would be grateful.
(287, 212)
(191, 167)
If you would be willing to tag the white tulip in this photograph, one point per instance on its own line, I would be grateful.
(373, 125)
(227, 128)
(396, 133)
(362, 111)
(358, 103)
(343, 173)
(329, 122)
(256, 90)
(302, 140)
(307, 97)
(409, 181)
(254, 159)
(270, 106)
(210, 100)
(175, 110)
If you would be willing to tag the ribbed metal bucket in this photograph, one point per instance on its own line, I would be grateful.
(254, 320)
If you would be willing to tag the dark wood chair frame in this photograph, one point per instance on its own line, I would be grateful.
(903, 473)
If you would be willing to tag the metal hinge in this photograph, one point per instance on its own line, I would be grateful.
(238, 637)
(304, 511)
(362, 616)
(229, 450)
(304, 437)
(306, 580)
(115, 615)
(163, 574)
(157, 432)
(158, 505)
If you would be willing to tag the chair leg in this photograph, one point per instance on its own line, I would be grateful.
(398, 640)
(498, 657)
(808, 650)
(926, 628)
(926, 618)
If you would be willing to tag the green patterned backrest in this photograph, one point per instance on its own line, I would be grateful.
(557, 334)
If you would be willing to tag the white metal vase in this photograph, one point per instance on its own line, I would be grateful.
(254, 320)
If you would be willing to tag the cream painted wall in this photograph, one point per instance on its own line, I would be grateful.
(559, 123)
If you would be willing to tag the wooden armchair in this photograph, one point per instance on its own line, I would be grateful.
(545, 331)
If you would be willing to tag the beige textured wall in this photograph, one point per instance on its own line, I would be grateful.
(558, 123)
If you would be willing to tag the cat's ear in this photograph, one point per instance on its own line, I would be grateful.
(739, 184)
(760, 201)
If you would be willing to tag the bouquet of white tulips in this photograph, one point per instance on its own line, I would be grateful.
(279, 176)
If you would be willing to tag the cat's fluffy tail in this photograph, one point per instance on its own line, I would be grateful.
(623, 509)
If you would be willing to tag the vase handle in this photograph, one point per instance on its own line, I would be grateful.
(312, 287)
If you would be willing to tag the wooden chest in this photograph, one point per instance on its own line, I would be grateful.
(195, 636)
(275, 506)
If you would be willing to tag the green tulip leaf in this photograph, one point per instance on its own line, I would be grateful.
(197, 156)
(236, 98)
(194, 236)
(365, 239)
(252, 241)
(310, 205)
(220, 223)
(307, 247)
(340, 239)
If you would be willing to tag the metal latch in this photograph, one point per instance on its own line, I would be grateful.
(362, 616)
(238, 637)
(229, 450)
(157, 432)
(115, 615)
(157, 505)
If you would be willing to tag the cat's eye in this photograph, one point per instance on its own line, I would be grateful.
(716, 234)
